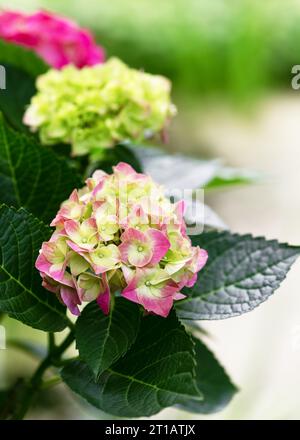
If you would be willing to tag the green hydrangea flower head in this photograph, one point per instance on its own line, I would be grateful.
(99, 106)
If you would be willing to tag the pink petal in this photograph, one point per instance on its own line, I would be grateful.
(71, 299)
(74, 196)
(199, 259)
(179, 296)
(79, 250)
(180, 209)
(191, 282)
(71, 227)
(169, 289)
(159, 306)
(132, 234)
(59, 41)
(103, 299)
(130, 293)
(161, 245)
(124, 168)
(98, 187)
(49, 284)
(140, 260)
(128, 273)
(43, 265)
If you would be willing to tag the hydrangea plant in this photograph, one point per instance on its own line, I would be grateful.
(118, 244)
(110, 103)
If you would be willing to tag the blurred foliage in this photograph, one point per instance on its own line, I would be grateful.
(232, 47)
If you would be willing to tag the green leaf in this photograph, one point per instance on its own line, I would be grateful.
(241, 273)
(21, 295)
(212, 380)
(102, 340)
(22, 67)
(20, 87)
(227, 177)
(157, 372)
(112, 156)
(32, 176)
(22, 58)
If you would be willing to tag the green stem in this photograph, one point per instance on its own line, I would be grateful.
(70, 325)
(55, 380)
(51, 342)
(37, 378)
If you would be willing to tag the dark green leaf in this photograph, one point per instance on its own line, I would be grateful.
(102, 340)
(241, 273)
(22, 58)
(21, 293)
(157, 372)
(212, 380)
(32, 176)
(20, 87)
(22, 67)
(112, 156)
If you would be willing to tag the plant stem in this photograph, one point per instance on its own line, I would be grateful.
(70, 324)
(37, 378)
(55, 380)
(51, 342)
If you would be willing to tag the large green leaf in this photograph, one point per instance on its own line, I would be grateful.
(22, 67)
(212, 380)
(241, 272)
(32, 176)
(102, 340)
(157, 372)
(22, 58)
(20, 87)
(21, 294)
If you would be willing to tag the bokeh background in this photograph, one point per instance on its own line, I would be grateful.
(230, 62)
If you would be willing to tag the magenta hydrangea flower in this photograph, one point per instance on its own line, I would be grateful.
(59, 41)
(120, 235)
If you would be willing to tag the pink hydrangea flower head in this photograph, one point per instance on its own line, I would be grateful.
(59, 41)
(120, 235)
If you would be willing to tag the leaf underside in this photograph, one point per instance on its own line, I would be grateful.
(241, 273)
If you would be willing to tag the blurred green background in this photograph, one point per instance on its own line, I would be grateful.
(230, 62)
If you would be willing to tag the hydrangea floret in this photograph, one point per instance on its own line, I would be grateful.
(98, 107)
(57, 40)
(120, 235)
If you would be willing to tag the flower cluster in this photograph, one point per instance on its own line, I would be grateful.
(97, 107)
(120, 234)
(57, 40)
